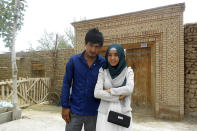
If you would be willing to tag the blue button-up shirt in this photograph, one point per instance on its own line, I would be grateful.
(83, 79)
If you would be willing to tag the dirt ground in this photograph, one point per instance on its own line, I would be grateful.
(47, 118)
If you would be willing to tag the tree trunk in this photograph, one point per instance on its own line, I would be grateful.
(14, 66)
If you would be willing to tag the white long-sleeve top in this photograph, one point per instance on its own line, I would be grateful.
(104, 82)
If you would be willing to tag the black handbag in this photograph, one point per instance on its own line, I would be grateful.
(119, 119)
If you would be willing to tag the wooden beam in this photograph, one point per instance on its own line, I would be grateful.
(33, 85)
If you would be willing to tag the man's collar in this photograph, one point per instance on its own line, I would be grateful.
(82, 54)
(98, 58)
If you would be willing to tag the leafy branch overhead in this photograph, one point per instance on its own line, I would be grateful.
(7, 19)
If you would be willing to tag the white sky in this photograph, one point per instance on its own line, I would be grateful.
(56, 15)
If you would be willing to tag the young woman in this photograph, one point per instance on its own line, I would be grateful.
(114, 87)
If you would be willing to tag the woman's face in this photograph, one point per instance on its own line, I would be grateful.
(113, 58)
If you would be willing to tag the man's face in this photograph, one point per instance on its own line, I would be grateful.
(92, 49)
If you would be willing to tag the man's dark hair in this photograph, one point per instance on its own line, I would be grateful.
(94, 36)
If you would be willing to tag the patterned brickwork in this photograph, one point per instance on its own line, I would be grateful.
(162, 26)
(190, 37)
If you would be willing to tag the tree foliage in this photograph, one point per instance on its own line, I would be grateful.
(48, 40)
(70, 36)
(7, 19)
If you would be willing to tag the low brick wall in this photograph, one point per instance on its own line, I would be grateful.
(190, 40)
(54, 65)
(5, 72)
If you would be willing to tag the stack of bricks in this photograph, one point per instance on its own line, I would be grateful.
(190, 40)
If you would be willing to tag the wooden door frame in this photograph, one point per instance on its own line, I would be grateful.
(150, 44)
(146, 89)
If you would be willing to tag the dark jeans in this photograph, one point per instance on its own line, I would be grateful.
(77, 122)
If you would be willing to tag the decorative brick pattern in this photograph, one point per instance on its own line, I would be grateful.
(162, 26)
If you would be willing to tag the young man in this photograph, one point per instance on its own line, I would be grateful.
(80, 107)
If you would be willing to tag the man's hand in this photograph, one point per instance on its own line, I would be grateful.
(66, 114)
(121, 97)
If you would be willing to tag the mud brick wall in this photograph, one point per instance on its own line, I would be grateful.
(54, 65)
(190, 41)
(5, 67)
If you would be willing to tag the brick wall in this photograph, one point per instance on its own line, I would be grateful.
(190, 40)
(163, 26)
(5, 72)
(50, 63)
(54, 65)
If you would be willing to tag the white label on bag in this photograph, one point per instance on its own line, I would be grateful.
(120, 117)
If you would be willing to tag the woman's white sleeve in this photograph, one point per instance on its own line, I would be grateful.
(99, 92)
(128, 88)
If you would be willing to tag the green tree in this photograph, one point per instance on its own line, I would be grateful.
(63, 42)
(8, 17)
(70, 37)
(11, 19)
(48, 41)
